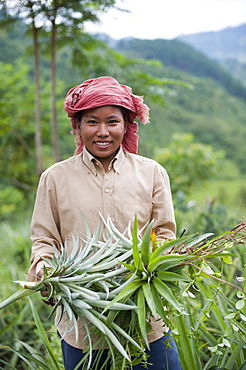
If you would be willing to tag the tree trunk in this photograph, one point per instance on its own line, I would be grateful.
(38, 134)
(54, 126)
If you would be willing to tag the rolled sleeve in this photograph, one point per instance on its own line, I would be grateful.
(162, 211)
(45, 233)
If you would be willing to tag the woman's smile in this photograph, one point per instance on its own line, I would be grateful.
(102, 143)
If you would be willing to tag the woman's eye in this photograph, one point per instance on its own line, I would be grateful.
(112, 122)
(92, 122)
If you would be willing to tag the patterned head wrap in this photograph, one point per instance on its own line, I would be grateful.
(106, 91)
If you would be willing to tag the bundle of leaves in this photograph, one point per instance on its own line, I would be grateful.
(122, 283)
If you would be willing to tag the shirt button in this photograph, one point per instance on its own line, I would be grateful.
(106, 190)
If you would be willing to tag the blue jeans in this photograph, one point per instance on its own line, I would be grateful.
(163, 355)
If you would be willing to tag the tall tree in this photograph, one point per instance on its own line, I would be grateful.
(29, 11)
(38, 130)
(54, 128)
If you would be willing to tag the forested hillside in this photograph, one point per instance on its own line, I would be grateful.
(213, 115)
(183, 57)
(227, 46)
(214, 109)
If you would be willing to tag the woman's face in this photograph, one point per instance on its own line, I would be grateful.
(102, 130)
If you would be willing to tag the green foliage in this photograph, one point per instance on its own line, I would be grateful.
(15, 247)
(11, 201)
(227, 188)
(208, 112)
(188, 164)
(215, 332)
(12, 42)
(17, 326)
(236, 68)
(22, 344)
(16, 127)
(17, 145)
(211, 216)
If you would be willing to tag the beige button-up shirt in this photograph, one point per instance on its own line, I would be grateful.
(132, 185)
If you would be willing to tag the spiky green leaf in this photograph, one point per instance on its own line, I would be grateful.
(145, 244)
(166, 293)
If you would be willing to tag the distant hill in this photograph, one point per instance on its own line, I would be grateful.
(229, 43)
(179, 55)
(228, 47)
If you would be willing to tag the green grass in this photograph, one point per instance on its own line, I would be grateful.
(230, 192)
(15, 249)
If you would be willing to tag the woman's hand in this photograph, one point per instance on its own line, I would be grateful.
(44, 291)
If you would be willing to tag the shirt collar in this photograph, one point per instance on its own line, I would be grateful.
(90, 161)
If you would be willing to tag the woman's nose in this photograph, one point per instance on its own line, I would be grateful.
(102, 129)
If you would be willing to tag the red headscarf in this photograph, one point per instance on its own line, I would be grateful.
(106, 91)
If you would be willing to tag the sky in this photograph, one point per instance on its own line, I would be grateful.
(167, 19)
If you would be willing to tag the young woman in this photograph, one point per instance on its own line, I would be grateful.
(107, 176)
